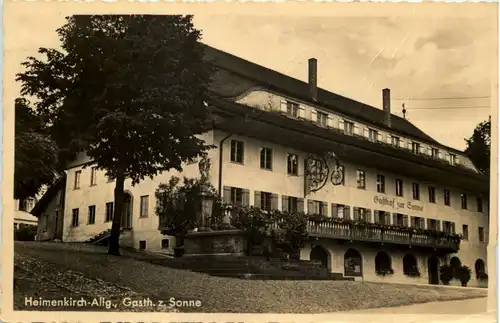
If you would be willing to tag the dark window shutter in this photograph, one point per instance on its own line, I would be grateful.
(324, 208)
(394, 218)
(256, 199)
(347, 212)
(310, 206)
(376, 216)
(335, 212)
(405, 220)
(227, 194)
(284, 203)
(429, 224)
(300, 205)
(355, 213)
(246, 197)
(438, 225)
(274, 202)
(387, 218)
(453, 227)
(368, 215)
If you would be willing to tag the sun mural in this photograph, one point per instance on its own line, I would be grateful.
(317, 172)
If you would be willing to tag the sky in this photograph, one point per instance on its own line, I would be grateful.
(438, 65)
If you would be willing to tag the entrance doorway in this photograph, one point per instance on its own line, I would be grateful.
(319, 253)
(127, 212)
(433, 267)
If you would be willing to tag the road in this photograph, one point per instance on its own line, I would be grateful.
(461, 307)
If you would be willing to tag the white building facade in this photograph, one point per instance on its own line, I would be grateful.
(270, 125)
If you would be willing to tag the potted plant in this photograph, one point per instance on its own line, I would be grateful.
(385, 271)
(446, 274)
(482, 276)
(464, 274)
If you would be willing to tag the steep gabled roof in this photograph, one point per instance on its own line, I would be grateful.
(292, 87)
(51, 193)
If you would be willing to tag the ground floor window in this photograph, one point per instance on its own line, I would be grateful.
(480, 270)
(353, 264)
(383, 264)
(410, 265)
(319, 253)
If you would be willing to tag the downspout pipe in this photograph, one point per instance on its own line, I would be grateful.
(221, 150)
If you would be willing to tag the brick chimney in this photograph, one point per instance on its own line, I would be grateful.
(313, 78)
(386, 102)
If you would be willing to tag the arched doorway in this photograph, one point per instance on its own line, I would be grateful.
(433, 270)
(410, 265)
(480, 268)
(383, 263)
(353, 263)
(319, 253)
(455, 262)
(126, 222)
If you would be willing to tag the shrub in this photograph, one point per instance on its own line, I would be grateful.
(25, 233)
(446, 274)
(464, 274)
(383, 272)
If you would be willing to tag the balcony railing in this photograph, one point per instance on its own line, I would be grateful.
(373, 234)
(366, 232)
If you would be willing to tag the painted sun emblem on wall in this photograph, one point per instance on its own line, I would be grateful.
(316, 173)
(337, 177)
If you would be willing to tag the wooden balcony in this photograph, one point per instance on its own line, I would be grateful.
(351, 232)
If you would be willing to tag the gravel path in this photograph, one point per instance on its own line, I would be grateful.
(233, 295)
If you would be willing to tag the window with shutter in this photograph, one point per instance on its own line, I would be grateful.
(341, 124)
(227, 194)
(340, 210)
(368, 215)
(379, 137)
(310, 207)
(245, 197)
(410, 144)
(274, 202)
(266, 201)
(335, 213)
(300, 205)
(388, 140)
(283, 106)
(366, 133)
(256, 199)
(331, 122)
(284, 203)
(301, 113)
(347, 212)
(322, 119)
(387, 218)
(405, 220)
(355, 213)
(314, 116)
(324, 208)
(349, 128)
(357, 130)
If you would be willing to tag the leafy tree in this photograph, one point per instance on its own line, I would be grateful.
(35, 153)
(130, 90)
(479, 146)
